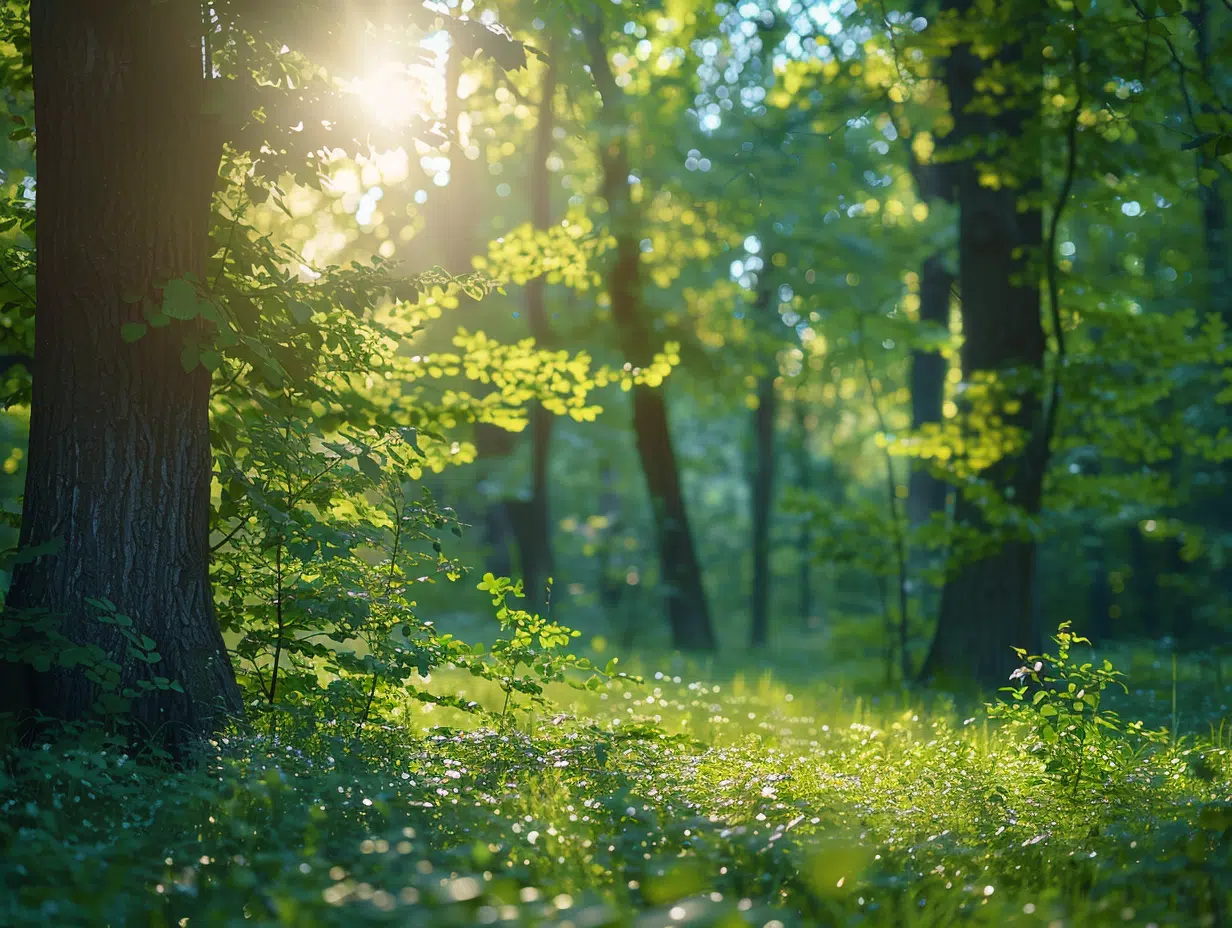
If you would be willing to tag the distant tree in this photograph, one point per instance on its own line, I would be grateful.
(687, 610)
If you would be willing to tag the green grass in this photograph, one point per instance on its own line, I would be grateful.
(727, 799)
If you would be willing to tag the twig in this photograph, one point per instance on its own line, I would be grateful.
(231, 534)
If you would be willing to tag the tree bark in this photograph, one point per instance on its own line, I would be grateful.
(687, 612)
(119, 461)
(985, 606)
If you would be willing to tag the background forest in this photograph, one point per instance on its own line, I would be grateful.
(612, 463)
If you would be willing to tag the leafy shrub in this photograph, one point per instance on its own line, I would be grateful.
(1059, 708)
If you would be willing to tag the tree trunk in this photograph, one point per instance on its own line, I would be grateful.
(1099, 601)
(687, 611)
(119, 460)
(1144, 582)
(763, 501)
(536, 546)
(985, 606)
(926, 494)
(804, 545)
(1214, 206)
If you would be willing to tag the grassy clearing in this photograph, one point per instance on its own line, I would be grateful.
(766, 801)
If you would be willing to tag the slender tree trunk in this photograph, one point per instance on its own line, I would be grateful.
(1100, 599)
(119, 461)
(1217, 245)
(537, 547)
(1144, 580)
(611, 575)
(1214, 207)
(804, 545)
(457, 219)
(687, 611)
(985, 606)
(763, 502)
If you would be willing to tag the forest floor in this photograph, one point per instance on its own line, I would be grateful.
(766, 801)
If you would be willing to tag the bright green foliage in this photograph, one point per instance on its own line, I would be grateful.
(1058, 710)
(776, 157)
(677, 801)
(539, 645)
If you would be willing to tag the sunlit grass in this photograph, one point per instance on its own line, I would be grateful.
(768, 798)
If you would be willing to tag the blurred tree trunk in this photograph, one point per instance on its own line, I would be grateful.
(1144, 580)
(762, 495)
(1214, 206)
(119, 457)
(687, 612)
(804, 544)
(1206, 20)
(458, 217)
(1099, 600)
(536, 548)
(986, 601)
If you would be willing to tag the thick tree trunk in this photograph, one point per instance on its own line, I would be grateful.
(119, 461)
(986, 602)
(687, 611)
(763, 502)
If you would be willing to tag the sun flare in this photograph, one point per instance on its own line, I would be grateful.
(393, 94)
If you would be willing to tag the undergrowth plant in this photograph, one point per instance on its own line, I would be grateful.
(1058, 707)
(537, 644)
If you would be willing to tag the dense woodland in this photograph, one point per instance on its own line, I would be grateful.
(615, 462)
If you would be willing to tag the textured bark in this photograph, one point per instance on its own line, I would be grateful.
(986, 604)
(119, 460)
(687, 611)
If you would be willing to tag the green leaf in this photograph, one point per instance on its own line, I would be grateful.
(301, 312)
(370, 468)
(131, 331)
(411, 437)
(180, 299)
(189, 358)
